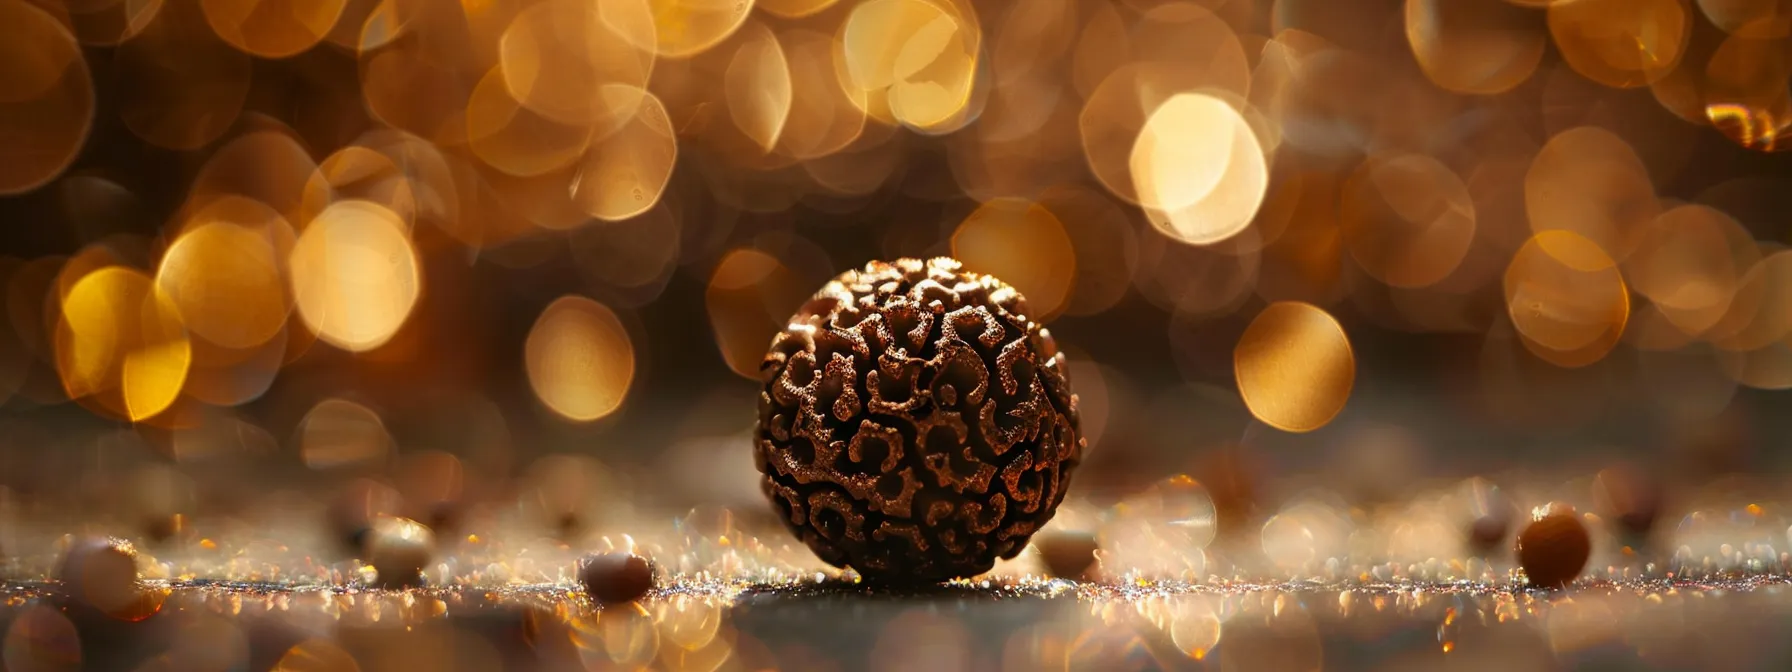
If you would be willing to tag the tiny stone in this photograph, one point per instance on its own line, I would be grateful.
(100, 572)
(1554, 548)
(398, 549)
(1068, 555)
(615, 578)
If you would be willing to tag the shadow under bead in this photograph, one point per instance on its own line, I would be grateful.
(1554, 547)
(1068, 555)
(915, 424)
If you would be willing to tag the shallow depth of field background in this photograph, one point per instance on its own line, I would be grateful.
(512, 264)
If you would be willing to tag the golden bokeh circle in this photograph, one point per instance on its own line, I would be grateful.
(225, 277)
(686, 28)
(579, 359)
(1690, 265)
(1294, 366)
(121, 340)
(1198, 169)
(757, 86)
(1023, 244)
(46, 98)
(555, 55)
(1566, 298)
(1621, 43)
(272, 28)
(355, 275)
(1589, 181)
(1480, 47)
(623, 174)
(1407, 218)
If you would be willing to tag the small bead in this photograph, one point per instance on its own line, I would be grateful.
(615, 578)
(1554, 548)
(399, 548)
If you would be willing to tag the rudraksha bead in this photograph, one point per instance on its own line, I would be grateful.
(915, 423)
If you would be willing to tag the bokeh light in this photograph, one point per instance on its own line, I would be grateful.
(354, 275)
(1025, 245)
(46, 98)
(1294, 367)
(1198, 169)
(580, 359)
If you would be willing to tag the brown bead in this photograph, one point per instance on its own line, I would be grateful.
(1068, 555)
(615, 578)
(1554, 548)
(100, 572)
(399, 548)
(915, 423)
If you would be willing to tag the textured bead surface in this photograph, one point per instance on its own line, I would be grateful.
(915, 424)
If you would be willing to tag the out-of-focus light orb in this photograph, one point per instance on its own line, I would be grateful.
(120, 333)
(1408, 219)
(757, 86)
(624, 173)
(825, 114)
(1745, 91)
(357, 172)
(225, 279)
(1621, 43)
(1294, 366)
(1690, 265)
(1479, 47)
(579, 358)
(1185, 511)
(556, 55)
(46, 98)
(1024, 245)
(1765, 19)
(272, 28)
(689, 27)
(750, 297)
(41, 638)
(1287, 542)
(1760, 314)
(514, 139)
(1566, 298)
(922, 53)
(1199, 170)
(340, 433)
(1589, 181)
(316, 655)
(354, 274)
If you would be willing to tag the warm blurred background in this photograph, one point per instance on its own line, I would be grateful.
(1368, 270)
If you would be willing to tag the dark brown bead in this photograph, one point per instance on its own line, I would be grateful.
(1068, 555)
(1554, 548)
(915, 423)
(615, 578)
